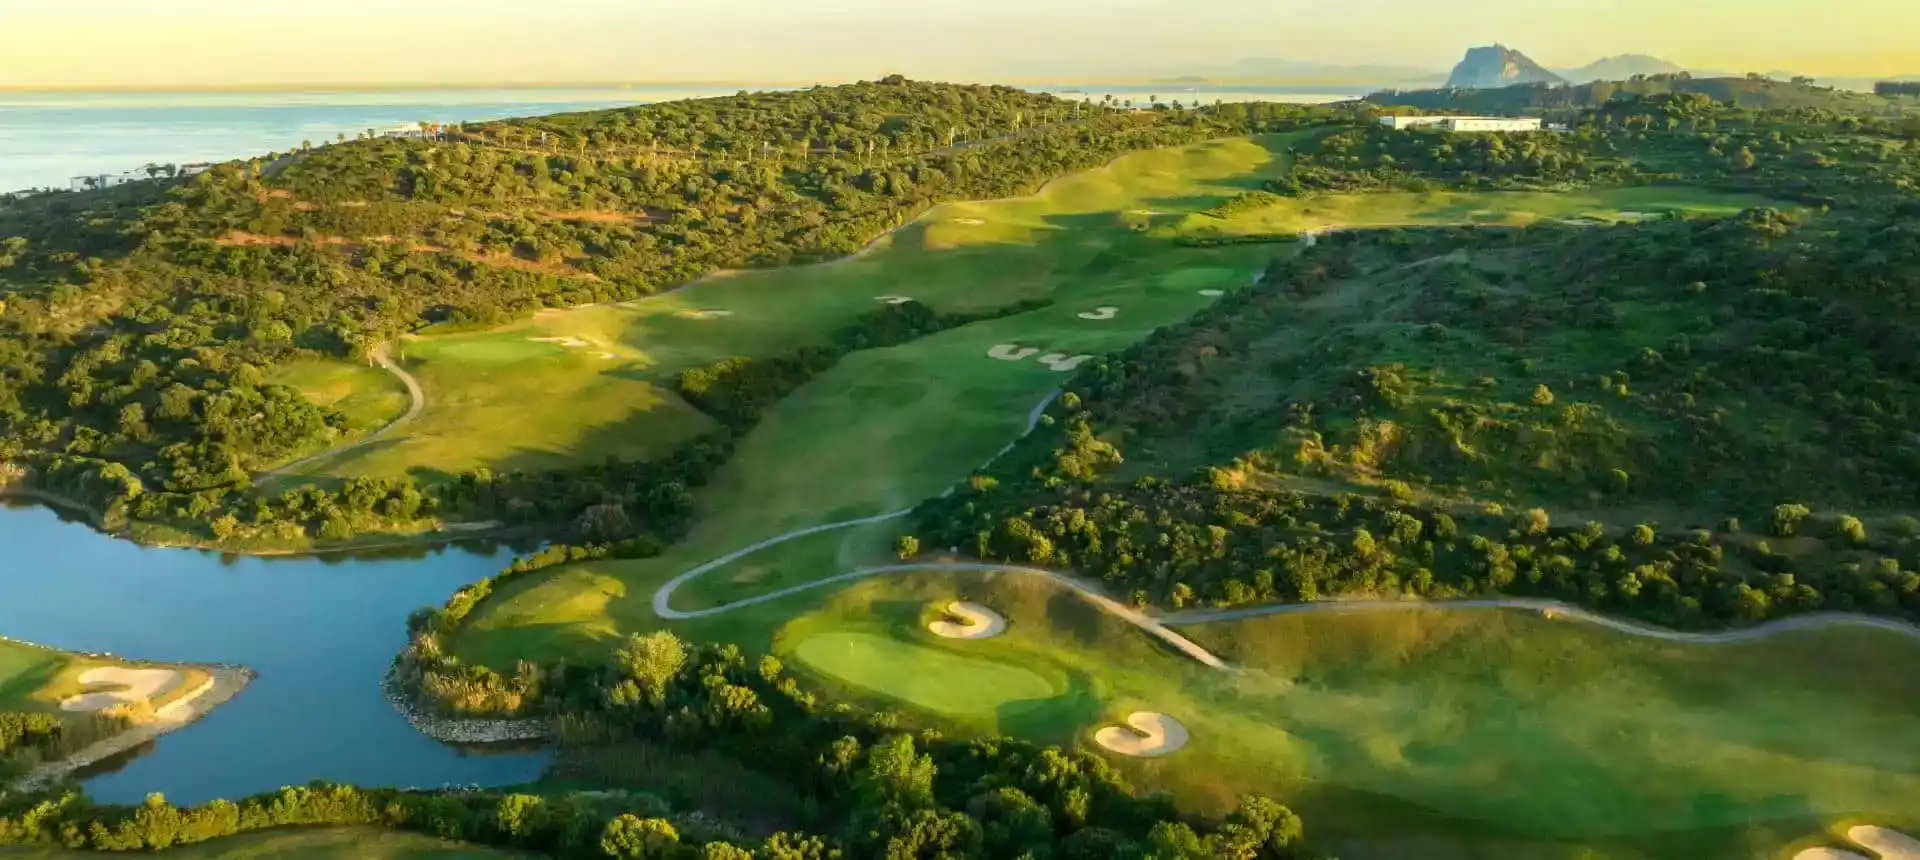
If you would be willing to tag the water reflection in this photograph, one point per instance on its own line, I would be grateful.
(320, 631)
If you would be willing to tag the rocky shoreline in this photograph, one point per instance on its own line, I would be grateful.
(460, 731)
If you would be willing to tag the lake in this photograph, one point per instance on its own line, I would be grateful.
(48, 138)
(320, 632)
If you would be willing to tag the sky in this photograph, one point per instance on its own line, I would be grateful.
(106, 43)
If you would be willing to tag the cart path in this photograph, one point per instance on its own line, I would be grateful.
(416, 403)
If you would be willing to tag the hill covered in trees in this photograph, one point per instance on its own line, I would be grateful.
(1750, 93)
(138, 324)
(1691, 422)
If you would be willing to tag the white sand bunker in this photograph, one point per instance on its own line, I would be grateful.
(1100, 313)
(1213, 293)
(1884, 843)
(978, 622)
(1012, 352)
(1062, 362)
(1148, 735)
(893, 300)
(135, 685)
(704, 314)
(568, 342)
(971, 222)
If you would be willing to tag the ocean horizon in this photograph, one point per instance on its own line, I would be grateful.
(52, 138)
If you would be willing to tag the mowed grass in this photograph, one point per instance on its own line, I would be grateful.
(318, 843)
(1500, 208)
(938, 680)
(505, 401)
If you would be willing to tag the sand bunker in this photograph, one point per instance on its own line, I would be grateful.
(1213, 293)
(568, 342)
(971, 222)
(980, 622)
(893, 300)
(1012, 352)
(1101, 313)
(137, 685)
(704, 314)
(1884, 843)
(1149, 735)
(1062, 362)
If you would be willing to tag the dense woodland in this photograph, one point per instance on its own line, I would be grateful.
(138, 323)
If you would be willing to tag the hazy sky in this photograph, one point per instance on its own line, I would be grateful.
(158, 42)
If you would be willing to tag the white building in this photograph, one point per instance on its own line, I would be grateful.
(1463, 123)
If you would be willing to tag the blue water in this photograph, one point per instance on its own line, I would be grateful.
(319, 631)
(46, 139)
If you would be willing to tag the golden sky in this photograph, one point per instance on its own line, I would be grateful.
(213, 42)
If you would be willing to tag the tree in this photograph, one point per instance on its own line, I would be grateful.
(897, 774)
(653, 662)
(630, 837)
(1542, 396)
(1851, 528)
(1744, 160)
(1643, 535)
(907, 547)
(1787, 517)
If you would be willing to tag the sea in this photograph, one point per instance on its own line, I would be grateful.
(56, 139)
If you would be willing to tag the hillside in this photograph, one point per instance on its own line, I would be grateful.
(146, 327)
(1499, 66)
(1620, 68)
(1688, 421)
(1746, 93)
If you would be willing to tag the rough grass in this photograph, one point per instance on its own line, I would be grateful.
(323, 843)
(368, 396)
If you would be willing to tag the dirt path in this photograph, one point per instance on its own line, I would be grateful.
(416, 403)
(223, 684)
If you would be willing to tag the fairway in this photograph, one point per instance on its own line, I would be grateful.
(938, 680)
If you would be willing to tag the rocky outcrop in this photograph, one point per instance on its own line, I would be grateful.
(1499, 66)
(454, 730)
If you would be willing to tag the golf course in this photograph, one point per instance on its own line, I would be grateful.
(1491, 728)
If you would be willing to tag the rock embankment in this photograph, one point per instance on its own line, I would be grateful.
(455, 730)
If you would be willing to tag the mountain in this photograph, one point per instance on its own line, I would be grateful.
(1620, 68)
(1497, 66)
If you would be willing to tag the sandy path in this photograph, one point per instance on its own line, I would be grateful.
(980, 622)
(416, 403)
(1148, 735)
(136, 685)
(222, 684)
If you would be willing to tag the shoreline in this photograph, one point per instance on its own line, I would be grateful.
(224, 682)
(455, 730)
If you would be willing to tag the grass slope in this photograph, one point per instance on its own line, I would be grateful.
(33, 678)
(323, 843)
(1475, 733)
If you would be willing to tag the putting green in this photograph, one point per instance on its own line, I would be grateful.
(930, 678)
